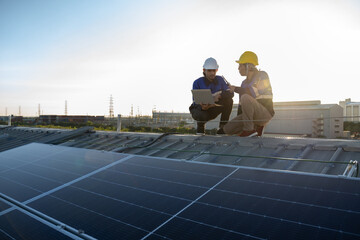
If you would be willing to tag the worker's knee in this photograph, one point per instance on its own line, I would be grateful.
(229, 129)
(198, 114)
(246, 98)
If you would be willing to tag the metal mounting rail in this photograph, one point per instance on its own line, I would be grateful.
(49, 221)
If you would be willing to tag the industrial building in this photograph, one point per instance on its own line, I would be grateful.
(351, 110)
(307, 118)
(171, 118)
(49, 119)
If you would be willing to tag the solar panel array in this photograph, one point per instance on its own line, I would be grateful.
(56, 192)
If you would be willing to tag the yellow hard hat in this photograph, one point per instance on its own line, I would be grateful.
(248, 57)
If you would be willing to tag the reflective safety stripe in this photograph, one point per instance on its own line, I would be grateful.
(264, 97)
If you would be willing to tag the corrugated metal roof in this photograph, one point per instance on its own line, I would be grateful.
(11, 137)
(285, 153)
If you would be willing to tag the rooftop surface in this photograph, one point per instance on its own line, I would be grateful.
(324, 156)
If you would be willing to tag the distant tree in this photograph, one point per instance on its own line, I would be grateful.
(352, 127)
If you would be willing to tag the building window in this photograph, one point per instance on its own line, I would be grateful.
(337, 125)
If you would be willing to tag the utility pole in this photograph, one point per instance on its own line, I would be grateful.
(19, 110)
(39, 110)
(111, 107)
(65, 107)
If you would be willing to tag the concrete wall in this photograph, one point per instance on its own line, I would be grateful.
(336, 122)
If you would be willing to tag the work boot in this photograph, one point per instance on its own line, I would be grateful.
(251, 133)
(260, 130)
(220, 131)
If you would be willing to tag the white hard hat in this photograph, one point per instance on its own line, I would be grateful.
(210, 63)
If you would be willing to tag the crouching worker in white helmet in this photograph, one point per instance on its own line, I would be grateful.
(222, 97)
(255, 94)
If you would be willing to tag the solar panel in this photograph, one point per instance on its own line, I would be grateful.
(3, 206)
(17, 225)
(36, 168)
(118, 196)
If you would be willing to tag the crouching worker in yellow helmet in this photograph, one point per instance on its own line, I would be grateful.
(221, 94)
(255, 95)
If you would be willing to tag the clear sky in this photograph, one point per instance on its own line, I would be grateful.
(148, 53)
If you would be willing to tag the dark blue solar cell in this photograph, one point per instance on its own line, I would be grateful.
(153, 184)
(17, 225)
(169, 174)
(29, 179)
(94, 223)
(179, 228)
(114, 208)
(148, 199)
(255, 224)
(295, 187)
(54, 174)
(330, 183)
(8, 163)
(4, 206)
(32, 169)
(18, 191)
(206, 169)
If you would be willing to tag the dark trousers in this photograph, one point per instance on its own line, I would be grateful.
(203, 116)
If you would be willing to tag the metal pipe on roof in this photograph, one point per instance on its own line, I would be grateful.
(276, 153)
(307, 149)
(245, 153)
(332, 159)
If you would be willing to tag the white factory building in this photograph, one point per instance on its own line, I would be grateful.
(310, 118)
